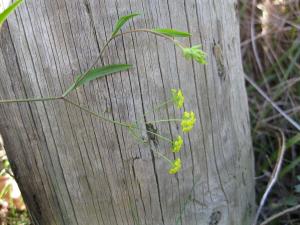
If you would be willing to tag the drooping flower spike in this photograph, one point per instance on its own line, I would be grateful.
(188, 121)
(177, 97)
(175, 166)
(177, 144)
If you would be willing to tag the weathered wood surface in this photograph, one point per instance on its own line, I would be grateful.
(74, 169)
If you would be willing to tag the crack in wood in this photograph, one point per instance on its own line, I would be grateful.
(151, 131)
(215, 218)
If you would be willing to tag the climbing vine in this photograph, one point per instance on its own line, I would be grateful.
(188, 118)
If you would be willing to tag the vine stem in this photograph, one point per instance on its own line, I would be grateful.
(116, 36)
(130, 126)
(158, 107)
(139, 139)
(159, 136)
(91, 67)
(151, 32)
(51, 98)
(166, 120)
(154, 109)
(97, 114)
(163, 156)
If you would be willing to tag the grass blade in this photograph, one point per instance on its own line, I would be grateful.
(293, 140)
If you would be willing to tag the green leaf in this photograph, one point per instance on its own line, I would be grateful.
(102, 72)
(122, 21)
(171, 32)
(293, 141)
(97, 73)
(9, 10)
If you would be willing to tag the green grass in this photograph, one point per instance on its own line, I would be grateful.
(279, 53)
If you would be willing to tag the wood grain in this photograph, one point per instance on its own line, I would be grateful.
(75, 169)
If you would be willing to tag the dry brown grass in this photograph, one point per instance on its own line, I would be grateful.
(271, 56)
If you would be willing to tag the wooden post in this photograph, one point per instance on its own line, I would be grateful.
(75, 169)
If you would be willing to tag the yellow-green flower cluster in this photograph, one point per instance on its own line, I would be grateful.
(188, 121)
(175, 166)
(177, 144)
(177, 97)
(195, 53)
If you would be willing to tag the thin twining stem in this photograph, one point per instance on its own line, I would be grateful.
(134, 127)
(88, 70)
(119, 35)
(97, 114)
(141, 140)
(138, 138)
(51, 98)
(151, 32)
(165, 120)
(130, 126)
(156, 108)
(160, 136)
(162, 155)
(93, 65)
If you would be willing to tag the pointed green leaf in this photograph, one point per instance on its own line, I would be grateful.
(121, 22)
(171, 32)
(102, 72)
(9, 10)
(97, 73)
